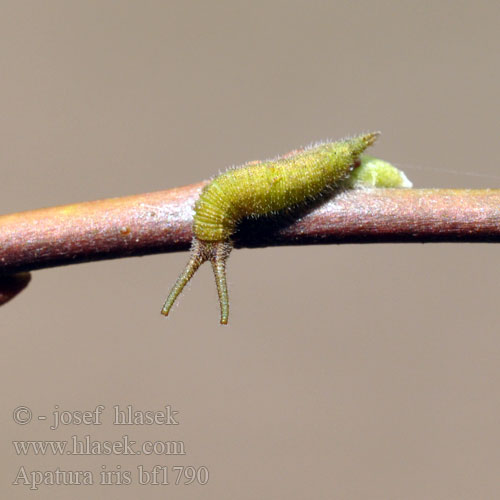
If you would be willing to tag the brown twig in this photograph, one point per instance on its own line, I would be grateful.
(161, 222)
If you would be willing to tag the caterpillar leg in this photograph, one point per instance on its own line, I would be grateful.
(201, 251)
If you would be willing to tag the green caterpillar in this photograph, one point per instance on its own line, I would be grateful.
(269, 187)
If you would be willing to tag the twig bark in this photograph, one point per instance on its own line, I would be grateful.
(161, 222)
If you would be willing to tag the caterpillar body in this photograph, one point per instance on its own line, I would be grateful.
(257, 189)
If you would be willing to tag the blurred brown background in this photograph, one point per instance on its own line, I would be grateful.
(351, 372)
